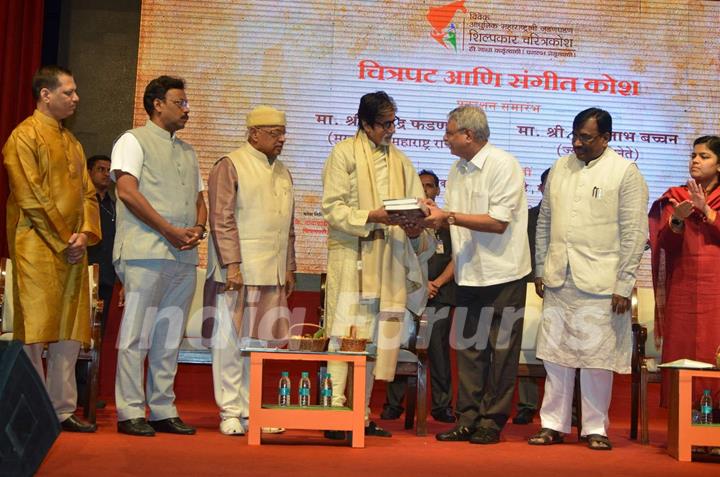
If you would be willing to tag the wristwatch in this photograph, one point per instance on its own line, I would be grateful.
(451, 218)
(204, 234)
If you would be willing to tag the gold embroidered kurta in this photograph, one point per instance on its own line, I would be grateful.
(51, 197)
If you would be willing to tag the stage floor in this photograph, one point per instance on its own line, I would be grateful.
(305, 453)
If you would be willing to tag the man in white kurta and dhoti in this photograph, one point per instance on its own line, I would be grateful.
(591, 233)
(251, 258)
(374, 274)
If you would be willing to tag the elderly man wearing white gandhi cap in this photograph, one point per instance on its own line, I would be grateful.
(251, 258)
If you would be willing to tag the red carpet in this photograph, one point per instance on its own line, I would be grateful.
(305, 453)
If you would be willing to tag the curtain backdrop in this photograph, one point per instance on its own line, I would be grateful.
(20, 52)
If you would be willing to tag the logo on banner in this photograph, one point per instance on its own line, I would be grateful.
(440, 18)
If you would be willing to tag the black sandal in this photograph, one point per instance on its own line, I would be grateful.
(546, 437)
(598, 442)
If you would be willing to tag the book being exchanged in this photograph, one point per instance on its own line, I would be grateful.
(408, 208)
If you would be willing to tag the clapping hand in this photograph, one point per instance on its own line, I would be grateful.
(697, 195)
(682, 209)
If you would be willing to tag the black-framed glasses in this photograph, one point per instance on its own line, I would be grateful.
(181, 103)
(389, 124)
(583, 138)
(274, 133)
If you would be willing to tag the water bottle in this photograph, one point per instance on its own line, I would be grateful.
(284, 389)
(326, 391)
(706, 408)
(304, 390)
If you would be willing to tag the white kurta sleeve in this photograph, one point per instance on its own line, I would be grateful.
(633, 224)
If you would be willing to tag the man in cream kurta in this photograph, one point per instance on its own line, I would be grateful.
(251, 257)
(161, 219)
(52, 216)
(374, 271)
(591, 233)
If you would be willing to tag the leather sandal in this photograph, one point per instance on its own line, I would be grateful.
(598, 442)
(546, 437)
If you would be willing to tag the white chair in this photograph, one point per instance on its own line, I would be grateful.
(193, 349)
(645, 359)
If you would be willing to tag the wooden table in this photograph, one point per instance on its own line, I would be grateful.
(682, 433)
(311, 417)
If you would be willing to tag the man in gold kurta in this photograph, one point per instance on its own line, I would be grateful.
(52, 215)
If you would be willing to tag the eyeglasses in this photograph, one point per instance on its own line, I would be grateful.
(274, 133)
(452, 133)
(181, 103)
(583, 138)
(389, 124)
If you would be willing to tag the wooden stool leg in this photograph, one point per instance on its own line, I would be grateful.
(634, 404)
(90, 410)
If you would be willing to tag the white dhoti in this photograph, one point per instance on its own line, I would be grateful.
(579, 330)
(596, 392)
(260, 312)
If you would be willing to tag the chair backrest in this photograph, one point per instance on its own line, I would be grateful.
(193, 328)
(646, 318)
(6, 294)
(531, 323)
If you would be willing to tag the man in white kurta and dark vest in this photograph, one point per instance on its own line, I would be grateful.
(251, 258)
(486, 211)
(161, 219)
(52, 216)
(591, 233)
(374, 274)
